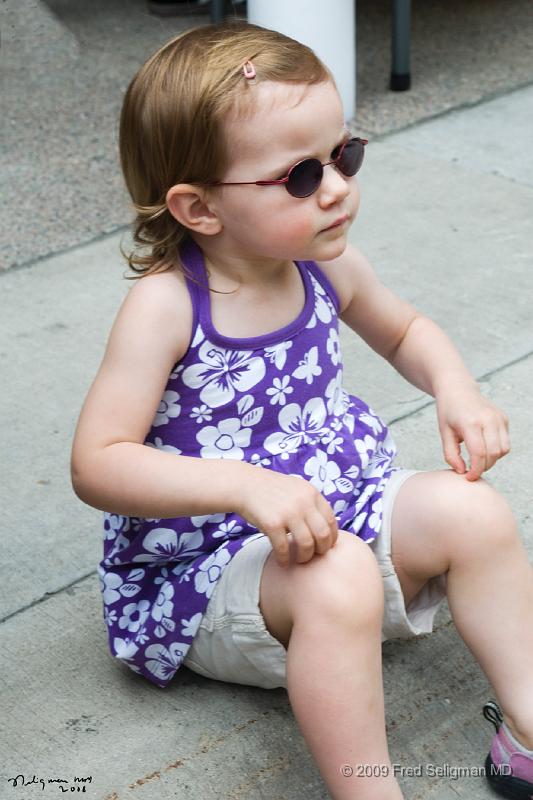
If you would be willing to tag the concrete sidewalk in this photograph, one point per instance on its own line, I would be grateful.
(446, 219)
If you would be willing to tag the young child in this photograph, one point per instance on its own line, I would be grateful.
(257, 529)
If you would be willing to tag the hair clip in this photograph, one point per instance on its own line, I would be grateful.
(248, 70)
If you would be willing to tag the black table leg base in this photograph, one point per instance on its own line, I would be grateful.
(400, 82)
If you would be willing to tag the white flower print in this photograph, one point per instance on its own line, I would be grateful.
(199, 336)
(169, 408)
(323, 309)
(339, 508)
(308, 367)
(159, 445)
(374, 521)
(379, 461)
(364, 448)
(163, 606)
(258, 461)
(228, 529)
(279, 389)
(199, 522)
(113, 524)
(300, 426)
(110, 617)
(359, 521)
(113, 587)
(224, 441)
(352, 472)
(176, 370)
(338, 400)
(141, 636)
(278, 353)
(333, 347)
(250, 416)
(134, 615)
(349, 421)
(190, 626)
(183, 572)
(121, 543)
(222, 373)
(163, 662)
(334, 443)
(201, 413)
(163, 545)
(372, 422)
(210, 570)
(364, 498)
(124, 649)
(323, 473)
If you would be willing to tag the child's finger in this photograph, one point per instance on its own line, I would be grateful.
(493, 448)
(327, 512)
(320, 530)
(305, 540)
(475, 444)
(452, 450)
(505, 442)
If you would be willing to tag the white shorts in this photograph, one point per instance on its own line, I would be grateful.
(233, 644)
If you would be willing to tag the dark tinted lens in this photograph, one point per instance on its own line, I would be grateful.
(352, 157)
(305, 177)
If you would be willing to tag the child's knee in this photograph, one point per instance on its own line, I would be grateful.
(486, 520)
(345, 585)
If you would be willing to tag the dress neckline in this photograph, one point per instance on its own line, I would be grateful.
(193, 259)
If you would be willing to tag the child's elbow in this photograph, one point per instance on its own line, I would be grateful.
(82, 474)
(78, 480)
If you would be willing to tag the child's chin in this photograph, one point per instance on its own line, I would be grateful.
(332, 250)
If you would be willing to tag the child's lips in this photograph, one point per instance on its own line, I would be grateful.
(339, 221)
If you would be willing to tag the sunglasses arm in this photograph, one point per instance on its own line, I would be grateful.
(250, 183)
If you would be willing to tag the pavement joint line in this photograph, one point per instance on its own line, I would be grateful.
(100, 237)
(393, 421)
(48, 596)
(481, 379)
(468, 104)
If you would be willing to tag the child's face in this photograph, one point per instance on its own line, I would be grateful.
(290, 123)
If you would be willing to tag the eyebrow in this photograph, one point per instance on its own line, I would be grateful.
(282, 172)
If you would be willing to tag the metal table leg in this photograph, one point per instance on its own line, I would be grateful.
(400, 78)
(217, 10)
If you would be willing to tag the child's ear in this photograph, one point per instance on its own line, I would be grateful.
(189, 205)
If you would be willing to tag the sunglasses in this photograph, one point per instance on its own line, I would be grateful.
(304, 178)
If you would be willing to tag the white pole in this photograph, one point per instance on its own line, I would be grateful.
(326, 26)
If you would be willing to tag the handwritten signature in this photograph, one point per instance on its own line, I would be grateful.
(79, 783)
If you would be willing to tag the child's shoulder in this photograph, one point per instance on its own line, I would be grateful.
(159, 305)
(346, 273)
(168, 285)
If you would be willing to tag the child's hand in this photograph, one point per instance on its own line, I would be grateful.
(466, 416)
(278, 504)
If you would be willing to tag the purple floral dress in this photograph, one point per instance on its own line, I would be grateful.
(275, 401)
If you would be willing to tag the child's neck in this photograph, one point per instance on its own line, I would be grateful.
(228, 271)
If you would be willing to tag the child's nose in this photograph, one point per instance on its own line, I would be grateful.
(333, 187)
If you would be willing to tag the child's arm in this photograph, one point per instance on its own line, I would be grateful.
(426, 357)
(113, 469)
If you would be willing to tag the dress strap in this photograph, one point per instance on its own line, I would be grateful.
(325, 282)
(197, 283)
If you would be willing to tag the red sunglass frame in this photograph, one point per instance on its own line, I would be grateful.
(285, 179)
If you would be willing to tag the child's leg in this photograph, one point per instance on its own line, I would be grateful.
(328, 613)
(441, 522)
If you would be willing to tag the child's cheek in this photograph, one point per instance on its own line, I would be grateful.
(298, 228)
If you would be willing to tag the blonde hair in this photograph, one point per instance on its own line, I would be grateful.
(171, 125)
